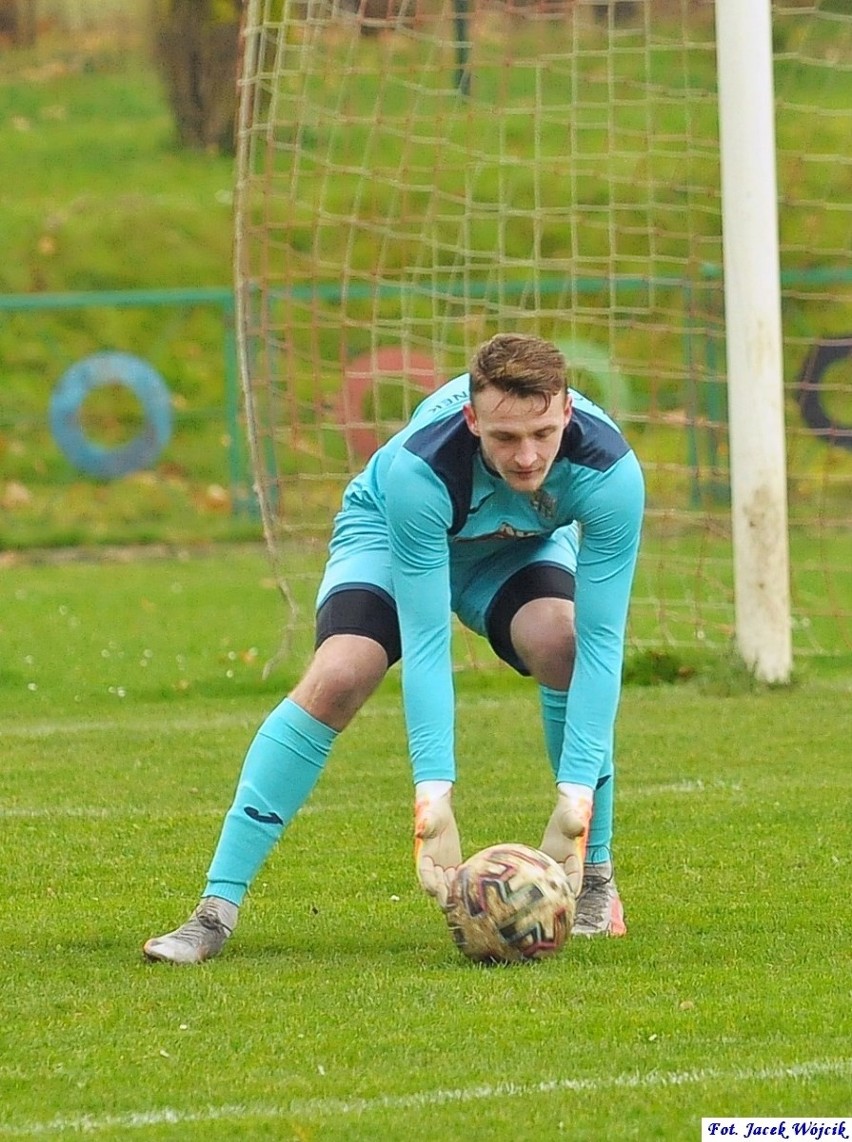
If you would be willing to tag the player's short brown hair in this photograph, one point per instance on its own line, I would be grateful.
(519, 364)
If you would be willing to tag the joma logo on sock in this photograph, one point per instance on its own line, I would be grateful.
(262, 818)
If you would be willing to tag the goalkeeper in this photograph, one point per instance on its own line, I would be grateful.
(515, 503)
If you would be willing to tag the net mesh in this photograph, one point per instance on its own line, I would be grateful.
(413, 177)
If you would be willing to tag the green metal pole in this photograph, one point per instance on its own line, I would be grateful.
(236, 457)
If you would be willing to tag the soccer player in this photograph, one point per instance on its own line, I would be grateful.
(516, 504)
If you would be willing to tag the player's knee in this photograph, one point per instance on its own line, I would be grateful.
(551, 659)
(543, 635)
(338, 682)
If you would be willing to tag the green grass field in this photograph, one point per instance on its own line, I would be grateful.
(130, 686)
(340, 1010)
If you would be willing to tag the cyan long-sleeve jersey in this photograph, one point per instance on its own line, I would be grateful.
(444, 509)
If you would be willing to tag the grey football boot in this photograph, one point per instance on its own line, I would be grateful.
(200, 938)
(599, 908)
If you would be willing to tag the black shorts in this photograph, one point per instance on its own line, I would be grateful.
(368, 611)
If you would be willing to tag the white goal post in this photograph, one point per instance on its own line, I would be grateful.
(752, 275)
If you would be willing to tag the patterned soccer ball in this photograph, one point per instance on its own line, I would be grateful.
(510, 903)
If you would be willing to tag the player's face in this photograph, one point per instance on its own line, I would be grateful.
(519, 438)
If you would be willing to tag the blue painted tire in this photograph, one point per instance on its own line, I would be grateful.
(98, 371)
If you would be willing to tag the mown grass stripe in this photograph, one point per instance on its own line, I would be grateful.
(336, 1108)
(113, 812)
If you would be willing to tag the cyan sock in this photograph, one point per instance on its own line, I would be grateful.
(599, 846)
(281, 768)
(553, 722)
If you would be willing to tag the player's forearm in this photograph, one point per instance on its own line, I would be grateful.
(429, 703)
(423, 606)
(590, 715)
(595, 690)
(605, 569)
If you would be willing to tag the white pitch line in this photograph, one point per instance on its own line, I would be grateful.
(337, 1108)
(98, 813)
(239, 719)
(38, 730)
(112, 812)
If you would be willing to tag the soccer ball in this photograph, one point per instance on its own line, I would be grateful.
(510, 903)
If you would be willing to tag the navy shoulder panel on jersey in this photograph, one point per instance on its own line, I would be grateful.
(592, 442)
(448, 447)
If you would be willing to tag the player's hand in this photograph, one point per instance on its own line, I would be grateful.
(436, 881)
(437, 848)
(565, 837)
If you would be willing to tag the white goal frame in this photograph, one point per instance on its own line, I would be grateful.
(762, 608)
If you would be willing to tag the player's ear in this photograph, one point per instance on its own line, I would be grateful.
(470, 418)
(569, 408)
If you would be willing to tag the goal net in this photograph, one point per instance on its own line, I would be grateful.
(415, 175)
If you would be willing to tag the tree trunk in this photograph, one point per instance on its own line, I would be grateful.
(197, 47)
(18, 22)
